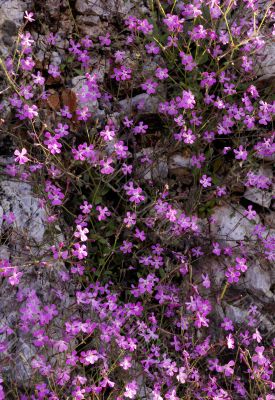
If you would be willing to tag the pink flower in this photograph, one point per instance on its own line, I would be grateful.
(52, 143)
(257, 336)
(205, 181)
(54, 71)
(130, 219)
(9, 218)
(83, 114)
(206, 281)
(227, 324)
(27, 64)
(140, 235)
(182, 375)
(122, 73)
(86, 207)
(80, 251)
(103, 213)
(161, 73)
(134, 193)
(89, 357)
(230, 341)
(140, 128)
(149, 86)
(259, 358)
(232, 275)
(106, 166)
(241, 154)
(247, 64)
(187, 101)
(221, 191)
(126, 169)
(201, 320)
(81, 233)
(14, 279)
(21, 156)
(28, 16)
(108, 133)
(105, 40)
(228, 369)
(131, 390)
(126, 362)
(216, 249)
(241, 264)
(152, 48)
(126, 247)
(250, 213)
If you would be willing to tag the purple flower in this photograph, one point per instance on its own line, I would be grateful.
(130, 390)
(232, 274)
(227, 324)
(29, 16)
(103, 213)
(80, 251)
(21, 156)
(250, 213)
(149, 86)
(187, 101)
(259, 357)
(27, 64)
(54, 71)
(241, 154)
(83, 114)
(161, 73)
(205, 181)
(126, 247)
(106, 167)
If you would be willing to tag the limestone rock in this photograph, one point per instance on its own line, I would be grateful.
(17, 197)
(230, 224)
(258, 196)
(26, 247)
(156, 169)
(266, 62)
(11, 17)
(104, 8)
(149, 104)
(259, 279)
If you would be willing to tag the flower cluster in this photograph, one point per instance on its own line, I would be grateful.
(138, 311)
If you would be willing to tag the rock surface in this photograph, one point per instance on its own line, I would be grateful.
(11, 17)
(39, 286)
(230, 225)
(104, 8)
(258, 196)
(266, 63)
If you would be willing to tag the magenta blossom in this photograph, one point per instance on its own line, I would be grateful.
(21, 156)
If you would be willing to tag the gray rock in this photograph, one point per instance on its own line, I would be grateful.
(230, 224)
(265, 67)
(26, 246)
(53, 7)
(236, 314)
(1, 217)
(11, 17)
(150, 104)
(259, 278)
(157, 170)
(79, 86)
(179, 161)
(258, 196)
(17, 197)
(90, 25)
(104, 8)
